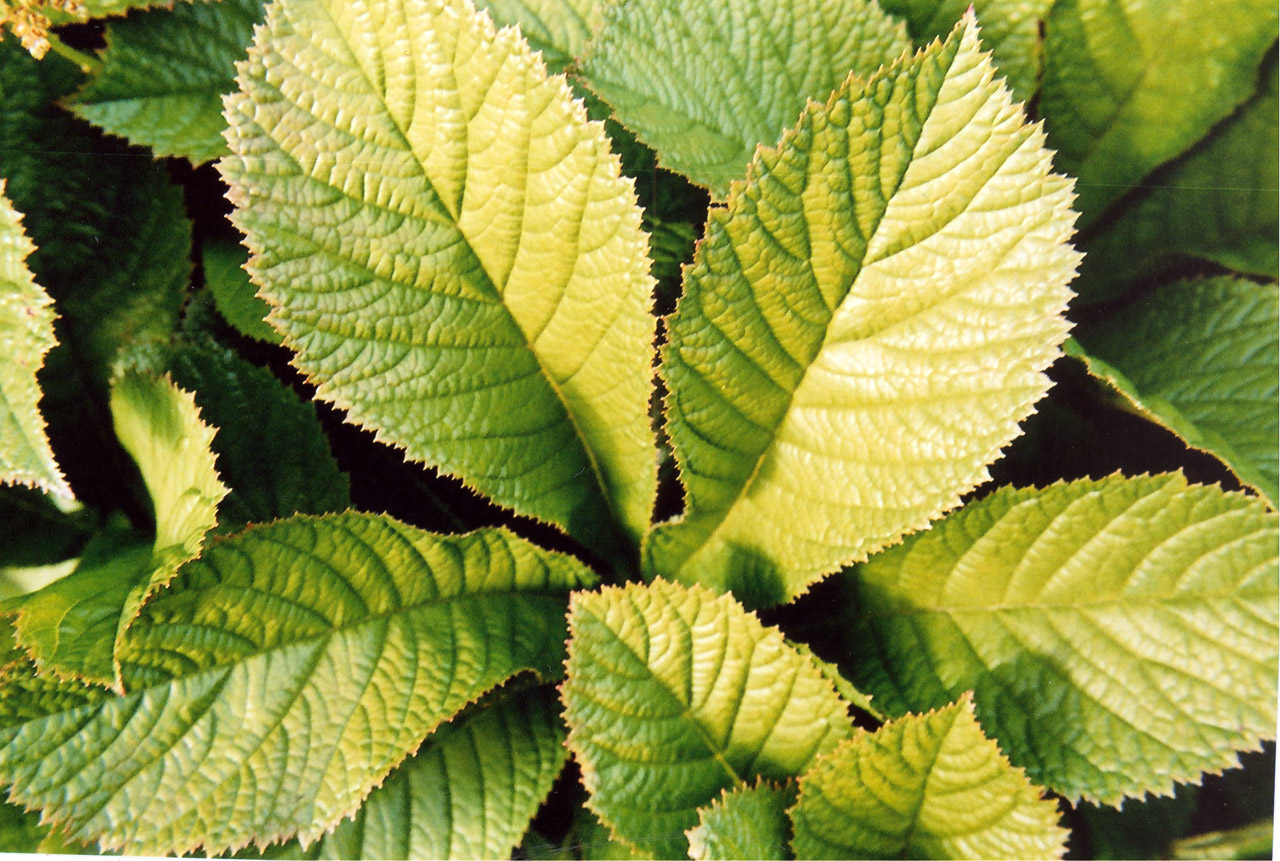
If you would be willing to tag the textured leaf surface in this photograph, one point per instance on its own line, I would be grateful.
(747, 822)
(559, 29)
(234, 295)
(1120, 635)
(312, 655)
(1200, 357)
(673, 695)
(863, 327)
(1130, 84)
(1010, 30)
(452, 251)
(704, 82)
(26, 329)
(923, 786)
(164, 74)
(1219, 202)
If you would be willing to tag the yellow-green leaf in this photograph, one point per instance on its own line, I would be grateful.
(745, 822)
(558, 29)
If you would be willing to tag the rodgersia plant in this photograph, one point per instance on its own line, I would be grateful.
(746, 565)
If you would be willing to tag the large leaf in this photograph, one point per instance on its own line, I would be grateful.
(164, 74)
(1200, 357)
(673, 695)
(1218, 203)
(282, 677)
(1120, 635)
(451, 251)
(924, 786)
(746, 822)
(864, 326)
(704, 83)
(71, 627)
(1130, 84)
(558, 29)
(26, 327)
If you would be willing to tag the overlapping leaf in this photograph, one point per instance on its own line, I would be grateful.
(704, 83)
(282, 677)
(863, 327)
(1120, 635)
(558, 29)
(673, 695)
(451, 251)
(233, 293)
(923, 786)
(746, 822)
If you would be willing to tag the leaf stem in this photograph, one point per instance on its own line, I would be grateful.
(88, 63)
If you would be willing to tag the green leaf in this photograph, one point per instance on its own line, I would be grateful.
(1217, 203)
(924, 786)
(26, 328)
(1200, 357)
(1120, 634)
(164, 74)
(452, 252)
(234, 295)
(673, 695)
(1010, 30)
(20, 831)
(1256, 840)
(704, 83)
(1131, 84)
(271, 449)
(745, 822)
(863, 327)
(313, 654)
(72, 626)
(559, 29)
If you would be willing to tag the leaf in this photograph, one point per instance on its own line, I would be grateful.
(234, 295)
(863, 327)
(673, 695)
(451, 252)
(271, 449)
(1010, 30)
(1120, 634)
(72, 626)
(1248, 841)
(704, 83)
(924, 786)
(558, 29)
(746, 822)
(26, 327)
(1131, 84)
(1200, 358)
(312, 654)
(164, 74)
(1217, 202)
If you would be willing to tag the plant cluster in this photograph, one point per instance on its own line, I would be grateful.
(651, 428)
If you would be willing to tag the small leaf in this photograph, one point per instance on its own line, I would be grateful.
(863, 327)
(673, 695)
(704, 83)
(234, 295)
(26, 329)
(1120, 635)
(452, 252)
(558, 29)
(746, 822)
(164, 74)
(312, 654)
(924, 786)
(1200, 358)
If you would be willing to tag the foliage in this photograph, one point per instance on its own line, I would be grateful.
(409, 399)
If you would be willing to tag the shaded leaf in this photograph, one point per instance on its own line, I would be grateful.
(746, 822)
(234, 295)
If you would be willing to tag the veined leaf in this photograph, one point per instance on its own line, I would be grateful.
(863, 327)
(1120, 635)
(1200, 357)
(72, 626)
(746, 822)
(26, 327)
(559, 29)
(1131, 84)
(924, 786)
(451, 251)
(1218, 202)
(233, 293)
(164, 74)
(673, 695)
(1010, 30)
(312, 654)
(704, 82)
